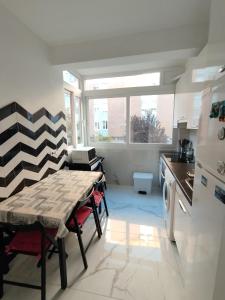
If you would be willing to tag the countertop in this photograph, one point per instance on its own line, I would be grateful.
(179, 170)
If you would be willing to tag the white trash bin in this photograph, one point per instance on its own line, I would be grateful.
(143, 182)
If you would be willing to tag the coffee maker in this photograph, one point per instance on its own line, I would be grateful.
(186, 151)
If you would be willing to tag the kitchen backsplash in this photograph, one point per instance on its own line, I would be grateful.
(32, 146)
(190, 134)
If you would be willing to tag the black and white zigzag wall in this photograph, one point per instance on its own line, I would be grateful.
(31, 147)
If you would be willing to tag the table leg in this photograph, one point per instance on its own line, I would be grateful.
(1, 263)
(62, 263)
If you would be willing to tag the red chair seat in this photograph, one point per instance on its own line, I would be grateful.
(81, 214)
(29, 242)
(98, 197)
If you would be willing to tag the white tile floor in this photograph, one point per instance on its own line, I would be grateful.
(133, 260)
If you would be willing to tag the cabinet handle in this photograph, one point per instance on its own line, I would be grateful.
(182, 206)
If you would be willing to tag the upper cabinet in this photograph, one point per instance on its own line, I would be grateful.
(187, 102)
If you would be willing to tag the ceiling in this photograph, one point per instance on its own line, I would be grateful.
(130, 64)
(60, 22)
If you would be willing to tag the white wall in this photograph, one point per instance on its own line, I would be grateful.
(121, 161)
(186, 37)
(217, 22)
(26, 75)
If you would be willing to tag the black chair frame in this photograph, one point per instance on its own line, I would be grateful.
(100, 186)
(78, 229)
(25, 228)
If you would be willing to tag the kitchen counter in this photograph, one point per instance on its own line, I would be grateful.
(179, 171)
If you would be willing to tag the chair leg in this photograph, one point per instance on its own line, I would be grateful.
(43, 276)
(97, 222)
(51, 252)
(1, 264)
(82, 249)
(1, 286)
(100, 209)
(106, 207)
(62, 263)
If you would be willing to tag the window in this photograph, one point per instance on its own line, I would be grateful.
(73, 112)
(205, 74)
(151, 119)
(71, 79)
(107, 120)
(97, 125)
(68, 111)
(78, 120)
(149, 79)
(104, 124)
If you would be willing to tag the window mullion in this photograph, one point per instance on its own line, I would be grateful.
(127, 120)
(74, 133)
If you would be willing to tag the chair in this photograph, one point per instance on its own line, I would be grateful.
(99, 195)
(77, 219)
(32, 240)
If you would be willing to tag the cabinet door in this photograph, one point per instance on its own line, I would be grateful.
(194, 110)
(180, 108)
(182, 220)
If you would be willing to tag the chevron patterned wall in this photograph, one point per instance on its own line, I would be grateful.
(31, 147)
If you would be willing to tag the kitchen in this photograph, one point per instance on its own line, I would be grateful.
(128, 117)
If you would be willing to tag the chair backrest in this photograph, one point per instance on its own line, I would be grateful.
(21, 227)
(81, 203)
(99, 185)
(7, 227)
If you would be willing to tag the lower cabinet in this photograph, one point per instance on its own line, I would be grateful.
(182, 219)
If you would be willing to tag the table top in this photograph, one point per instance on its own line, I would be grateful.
(50, 201)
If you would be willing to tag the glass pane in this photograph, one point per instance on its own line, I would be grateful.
(78, 120)
(107, 120)
(67, 101)
(71, 79)
(150, 79)
(151, 119)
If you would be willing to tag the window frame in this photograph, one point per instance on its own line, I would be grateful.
(75, 92)
(122, 76)
(127, 142)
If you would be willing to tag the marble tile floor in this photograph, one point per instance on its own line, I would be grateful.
(133, 260)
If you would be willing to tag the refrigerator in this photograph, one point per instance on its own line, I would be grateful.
(206, 232)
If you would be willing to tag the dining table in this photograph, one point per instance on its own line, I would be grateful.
(50, 202)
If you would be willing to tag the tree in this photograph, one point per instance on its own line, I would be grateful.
(147, 129)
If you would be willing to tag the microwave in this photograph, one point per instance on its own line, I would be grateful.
(83, 155)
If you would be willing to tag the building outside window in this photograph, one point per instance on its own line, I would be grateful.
(141, 119)
(110, 114)
(104, 124)
(150, 119)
